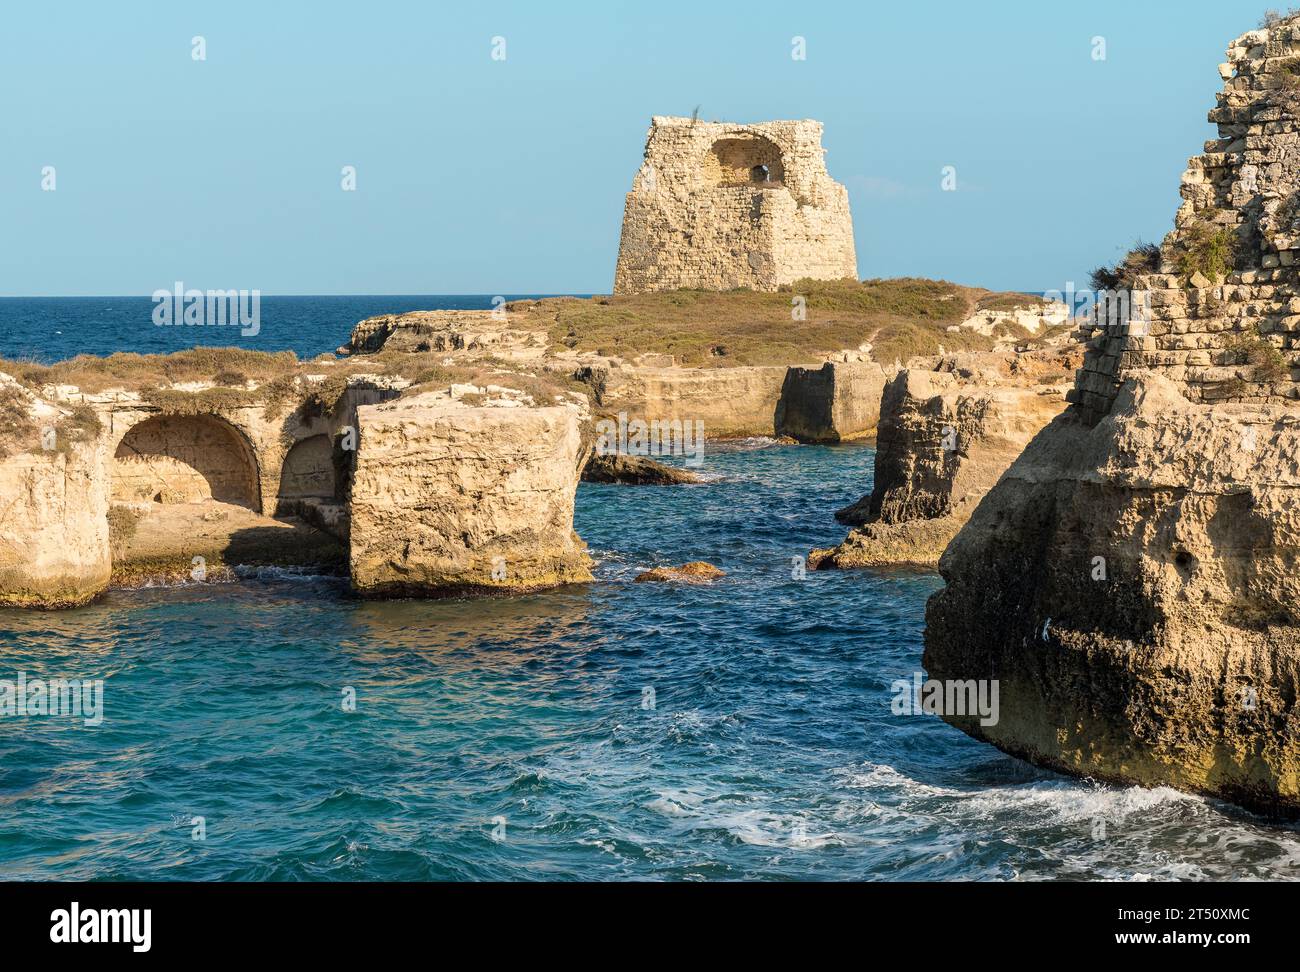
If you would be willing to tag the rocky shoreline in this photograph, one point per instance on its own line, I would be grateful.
(1114, 523)
(437, 455)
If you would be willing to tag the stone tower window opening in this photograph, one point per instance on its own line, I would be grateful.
(746, 160)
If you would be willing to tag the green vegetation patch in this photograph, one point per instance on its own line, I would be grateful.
(1141, 260)
(1207, 247)
(1267, 362)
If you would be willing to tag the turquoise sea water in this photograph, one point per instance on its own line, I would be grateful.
(507, 739)
(513, 738)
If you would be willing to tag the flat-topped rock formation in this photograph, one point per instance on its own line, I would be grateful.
(482, 332)
(1131, 580)
(719, 206)
(450, 498)
(833, 403)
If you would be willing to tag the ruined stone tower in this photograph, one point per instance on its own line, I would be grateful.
(718, 206)
(1224, 323)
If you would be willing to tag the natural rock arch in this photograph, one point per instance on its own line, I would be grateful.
(186, 459)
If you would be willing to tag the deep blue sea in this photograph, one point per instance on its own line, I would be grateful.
(49, 329)
(612, 731)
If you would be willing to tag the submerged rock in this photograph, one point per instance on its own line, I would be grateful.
(696, 572)
(635, 471)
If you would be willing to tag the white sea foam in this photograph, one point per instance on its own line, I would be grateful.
(878, 776)
(755, 826)
(1073, 802)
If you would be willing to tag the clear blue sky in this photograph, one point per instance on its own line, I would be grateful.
(479, 176)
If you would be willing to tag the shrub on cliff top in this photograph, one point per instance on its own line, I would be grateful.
(16, 425)
(1267, 362)
(1143, 259)
(1274, 17)
(1010, 302)
(209, 401)
(81, 424)
(19, 431)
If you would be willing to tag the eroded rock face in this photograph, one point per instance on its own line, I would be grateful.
(1133, 587)
(945, 436)
(1132, 580)
(838, 401)
(451, 499)
(729, 402)
(54, 549)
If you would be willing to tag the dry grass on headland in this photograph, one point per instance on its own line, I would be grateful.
(240, 376)
(708, 329)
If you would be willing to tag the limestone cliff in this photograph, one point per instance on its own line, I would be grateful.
(809, 364)
(1132, 585)
(134, 469)
(53, 529)
(833, 403)
(1131, 581)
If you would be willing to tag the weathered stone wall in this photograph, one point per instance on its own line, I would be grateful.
(718, 206)
(1200, 329)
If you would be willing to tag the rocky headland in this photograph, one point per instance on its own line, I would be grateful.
(808, 361)
(1131, 581)
(411, 471)
(439, 452)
